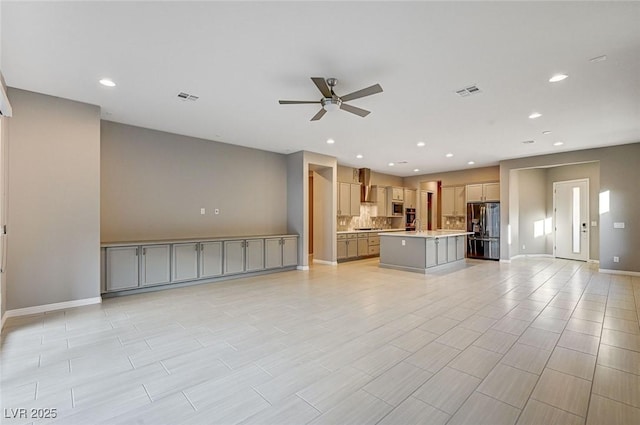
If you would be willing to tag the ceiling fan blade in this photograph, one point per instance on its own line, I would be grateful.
(319, 115)
(322, 86)
(376, 88)
(296, 102)
(358, 111)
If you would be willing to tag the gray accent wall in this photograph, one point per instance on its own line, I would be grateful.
(619, 175)
(532, 204)
(53, 215)
(153, 185)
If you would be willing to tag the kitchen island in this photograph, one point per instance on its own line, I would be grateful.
(420, 251)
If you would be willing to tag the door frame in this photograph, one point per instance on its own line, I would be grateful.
(588, 218)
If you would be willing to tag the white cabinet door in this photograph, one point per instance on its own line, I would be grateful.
(254, 255)
(156, 264)
(363, 247)
(289, 252)
(451, 249)
(344, 199)
(441, 244)
(431, 252)
(185, 262)
(460, 204)
(122, 268)
(342, 249)
(233, 257)
(210, 259)
(273, 253)
(460, 244)
(474, 193)
(492, 192)
(448, 201)
(354, 209)
(352, 248)
(410, 198)
(381, 201)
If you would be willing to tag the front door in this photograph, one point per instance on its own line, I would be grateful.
(571, 219)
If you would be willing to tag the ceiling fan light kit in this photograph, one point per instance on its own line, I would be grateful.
(331, 102)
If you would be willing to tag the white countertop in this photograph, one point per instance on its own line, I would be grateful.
(189, 240)
(430, 234)
(341, 232)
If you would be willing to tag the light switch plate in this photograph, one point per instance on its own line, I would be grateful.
(618, 225)
(404, 242)
(202, 211)
(594, 224)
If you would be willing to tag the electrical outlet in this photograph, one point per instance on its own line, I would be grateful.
(523, 247)
(216, 211)
(404, 242)
(594, 224)
(616, 259)
(202, 211)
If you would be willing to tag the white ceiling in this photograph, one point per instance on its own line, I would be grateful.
(242, 57)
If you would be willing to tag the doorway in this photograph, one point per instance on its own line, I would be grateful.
(426, 210)
(571, 219)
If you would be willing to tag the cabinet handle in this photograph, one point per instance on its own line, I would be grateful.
(144, 251)
(137, 251)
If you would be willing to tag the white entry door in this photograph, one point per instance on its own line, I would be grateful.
(571, 219)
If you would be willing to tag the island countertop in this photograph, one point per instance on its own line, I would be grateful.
(428, 234)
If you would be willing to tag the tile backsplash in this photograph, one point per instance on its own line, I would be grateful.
(454, 223)
(367, 218)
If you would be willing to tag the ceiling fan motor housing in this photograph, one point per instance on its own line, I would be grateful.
(331, 103)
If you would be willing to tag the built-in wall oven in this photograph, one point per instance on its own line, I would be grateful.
(410, 219)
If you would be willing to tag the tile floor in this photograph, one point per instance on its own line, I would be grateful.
(536, 341)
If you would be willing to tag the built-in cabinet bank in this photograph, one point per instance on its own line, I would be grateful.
(134, 266)
(355, 245)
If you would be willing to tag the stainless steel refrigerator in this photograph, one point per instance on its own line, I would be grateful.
(483, 219)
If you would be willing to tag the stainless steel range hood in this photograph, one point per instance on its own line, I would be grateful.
(364, 176)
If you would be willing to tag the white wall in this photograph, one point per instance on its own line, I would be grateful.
(53, 215)
(153, 185)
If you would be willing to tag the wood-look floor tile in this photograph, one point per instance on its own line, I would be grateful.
(621, 314)
(447, 390)
(360, 408)
(579, 342)
(397, 383)
(291, 411)
(622, 325)
(621, 339)
(617, 385)
(539, 338)
(604, 411)
(380, 360)
(563, 391)
(619, 358)
(584, 326)
(415, 412)
(585, 314)
(497, 341)
(476, 361)
(439, 325)
(480, 409)
(510, 385)
(511, 326)
(572, 362)
(433, 356)
(537, 413)
(478, 323)
(459, 338)
(330, 390)
(414, 340)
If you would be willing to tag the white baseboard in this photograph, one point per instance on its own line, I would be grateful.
(302, 268)
(50, 307)
(620, 272)
(531, 256)
(329, 263)
(506, 261)
(593, 261)
(4, 319)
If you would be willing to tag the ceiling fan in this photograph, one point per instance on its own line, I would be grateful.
(331, 101)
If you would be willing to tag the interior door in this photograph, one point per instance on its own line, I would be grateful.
(571, 219)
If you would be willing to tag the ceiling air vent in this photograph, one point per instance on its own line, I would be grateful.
(186, 96)
(468, 91)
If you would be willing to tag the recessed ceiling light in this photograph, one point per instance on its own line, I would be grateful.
(598, 58)
(528, 142)
(420, 144)
(330, 141)
(449, 155)
(557, 77)
(415, 170)
(546, 132)
(558, 144)
(107, 82)
(359, 156)
(471, 162)
(391, 164)
(535, 115)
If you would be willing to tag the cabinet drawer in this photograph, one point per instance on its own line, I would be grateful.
(374, 249)
(352, 236)
(363, 235)
(374, 240)
(342, 236)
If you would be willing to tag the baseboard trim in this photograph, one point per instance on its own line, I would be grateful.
(329, 263)
(302, 268)
(4, 319)
(593, 261)
(620, 272)
(50, 307)
(502, 260)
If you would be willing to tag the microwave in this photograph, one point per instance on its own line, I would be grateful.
(397, 209)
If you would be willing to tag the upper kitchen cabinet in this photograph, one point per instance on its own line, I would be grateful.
(410, 196)
(453, 201)
(379, 197)
(395, 194)
(348, 199)
(485, 192)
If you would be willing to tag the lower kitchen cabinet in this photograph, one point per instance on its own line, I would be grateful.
(441, 244)
(155, 265)
(280, 252)
(363, 244)
(347, 246)
(460, 247)
(185, 261)
(432, 252)
(134, 266)
(210, 259)
(122, 268)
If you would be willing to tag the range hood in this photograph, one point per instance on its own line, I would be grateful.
(364, 176)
